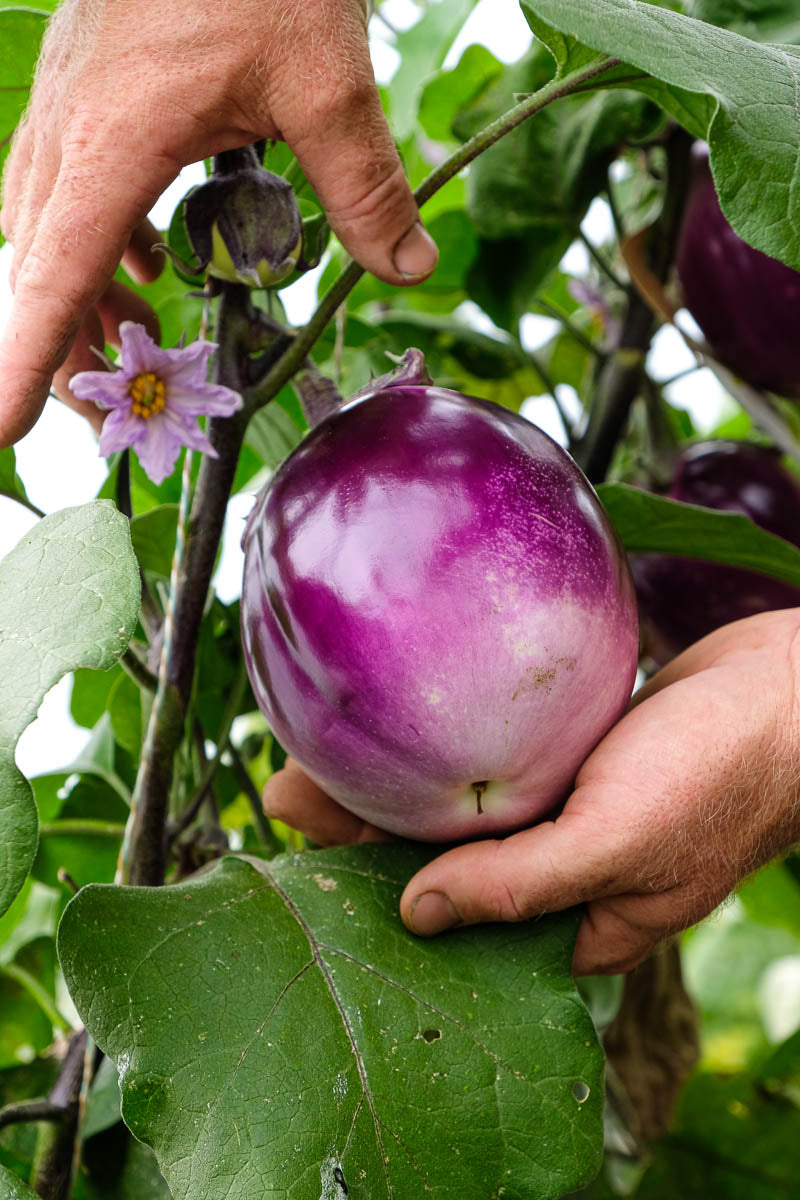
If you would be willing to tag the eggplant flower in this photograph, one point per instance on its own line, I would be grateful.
(155, 397)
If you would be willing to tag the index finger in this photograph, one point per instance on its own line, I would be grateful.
(79, 241)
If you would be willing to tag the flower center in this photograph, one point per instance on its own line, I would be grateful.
(148, 395)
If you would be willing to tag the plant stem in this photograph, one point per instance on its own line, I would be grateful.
(207, 778)
(265, 830)
(30, 1110)
(291, 360)
(54, 1163)
(621, 378)
(24, 501)
(143, 860)
(37, 993)
(82, 827)
(602, 263)
(569, 326)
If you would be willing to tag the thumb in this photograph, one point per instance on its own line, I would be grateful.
(344, 146)
(548, 868)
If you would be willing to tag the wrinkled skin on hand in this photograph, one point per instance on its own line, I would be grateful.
(125, 97)
(696, 786)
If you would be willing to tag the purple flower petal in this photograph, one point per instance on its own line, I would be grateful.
(202, 399)
(120, 430)
(188, 431)
(159, 450)
(189, 366)
(109, 389)
(138, 353)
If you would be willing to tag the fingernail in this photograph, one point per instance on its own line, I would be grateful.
(432, 913)
(416, 253)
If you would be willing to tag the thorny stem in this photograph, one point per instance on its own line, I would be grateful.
(144, 853)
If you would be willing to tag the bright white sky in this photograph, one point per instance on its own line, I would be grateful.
(58, 460)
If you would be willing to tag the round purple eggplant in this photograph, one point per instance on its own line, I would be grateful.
(438, 619)
(682, 599)
(746, 303)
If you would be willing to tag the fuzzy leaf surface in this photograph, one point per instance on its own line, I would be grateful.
(69, 598)
(278, 1031)
(738, 94)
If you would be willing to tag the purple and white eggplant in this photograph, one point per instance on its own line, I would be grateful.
(438, 620)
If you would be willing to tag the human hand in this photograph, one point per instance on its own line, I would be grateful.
(125, 98)
(693, 789)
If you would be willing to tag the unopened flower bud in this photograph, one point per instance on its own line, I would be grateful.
(245, 227)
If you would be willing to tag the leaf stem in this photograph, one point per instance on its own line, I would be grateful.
(37, 993)
(260, 819)
(223, 735)
(622, 376)
(82, 827)
(291, 360)
(24, 501)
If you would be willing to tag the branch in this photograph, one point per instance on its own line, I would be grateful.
(265, 830)
(24, 501)
(621, 379)
(144, 855)
(54, 1163)
(292, 359)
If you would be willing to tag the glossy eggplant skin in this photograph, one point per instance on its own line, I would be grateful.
(682, 599)
(438, 620)
(746, 303)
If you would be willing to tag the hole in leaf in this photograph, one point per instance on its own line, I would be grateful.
(580, 1091)
(431, 1035)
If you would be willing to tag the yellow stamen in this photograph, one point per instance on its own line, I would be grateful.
(148, 395)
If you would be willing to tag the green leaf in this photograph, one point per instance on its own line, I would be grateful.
(21, 32)
(772, 897)
(529, 192)
(731, 1140)
(10, 482)
(649, 524)
(738, 94)
(423, 48)
(69, 597)
(153, 537)
(451, 91)
(276, 1026)
(273, 434)
(12, 1188)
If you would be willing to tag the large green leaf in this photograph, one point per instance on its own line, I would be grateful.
(529, 192)
(20, 34)
(739, 94)
(12, 1188)
(69, 597)
(423, 49)
(278, 1031)
(657, 525)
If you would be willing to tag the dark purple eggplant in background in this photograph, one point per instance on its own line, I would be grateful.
(746, 303)
(683, 599)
